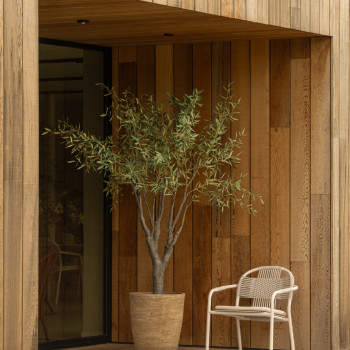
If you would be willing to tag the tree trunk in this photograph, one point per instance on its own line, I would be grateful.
(158, 277)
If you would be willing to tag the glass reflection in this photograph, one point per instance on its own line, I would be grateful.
(71, 201)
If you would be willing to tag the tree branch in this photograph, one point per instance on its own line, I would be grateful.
(151, 218)
(184, 199)
(141, 216)
(160, 211)
(182, 223)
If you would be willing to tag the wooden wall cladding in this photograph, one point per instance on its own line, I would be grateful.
(307, 15)
(19, 174)
(285, 89)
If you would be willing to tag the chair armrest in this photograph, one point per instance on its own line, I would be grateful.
(281, 291)
(219, 289)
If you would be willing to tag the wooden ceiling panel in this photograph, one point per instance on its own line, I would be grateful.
(131, 22)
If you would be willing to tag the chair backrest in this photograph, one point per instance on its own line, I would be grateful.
(46, 245)
(260, 283)
(46, 268)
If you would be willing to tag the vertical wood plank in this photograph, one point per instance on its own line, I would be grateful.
(320, 115)
(127, 213)
(274, 12)
(201, 5)
(227, 7)
(164, 85)
(201, 218)
(221, 274)
(295, 14)
(145, 86)
(252, 10)
(325, 16)
(260, 172)
(188, 4)
(344, 173)
(280, 83)
(300, 185)
(2, 61)
(285, 9)
(263, 11)
(161, 2)
(13, 174)
(314, 16)
(174, 3)
(280, 166)
(30, 174)
(320, 272)
(115, 219)
(335, 175)
(183, 59)
(240, 9)
(308, 19)
(214, 7)
(240, 218)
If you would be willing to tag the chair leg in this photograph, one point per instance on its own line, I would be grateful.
(207, 333)
(58, 285)
(291, 335)
(271, 333)
(239, 338)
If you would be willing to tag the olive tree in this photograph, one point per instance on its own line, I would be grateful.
(160, 153)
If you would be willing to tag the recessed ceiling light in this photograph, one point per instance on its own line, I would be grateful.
(168, 34)
(83, 21)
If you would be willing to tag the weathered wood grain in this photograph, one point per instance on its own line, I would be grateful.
(280, 166)
(183, 76)
(280, 83)
(334, 17)
(285, 13)
(260, 166)
(240, 9)
(13, 175)
(220, 227)
(324, 17)
(252, 10)
(320, 115)
(201, 219)
(30, 174)
(274, 12)
(240, 218)
(295, 14)
(300, 183)
(145, 56)
(320, 271)
(164, 85)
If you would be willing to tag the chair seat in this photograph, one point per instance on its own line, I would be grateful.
(249, 312)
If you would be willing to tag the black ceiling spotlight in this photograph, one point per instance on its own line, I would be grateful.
(83, 21)
(168, 34)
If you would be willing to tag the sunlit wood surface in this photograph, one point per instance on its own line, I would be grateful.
(128, 347)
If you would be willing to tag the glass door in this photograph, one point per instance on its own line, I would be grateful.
(72, 234)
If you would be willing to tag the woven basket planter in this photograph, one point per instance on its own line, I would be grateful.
(156, 320)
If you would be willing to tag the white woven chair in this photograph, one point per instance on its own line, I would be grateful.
(271, 292)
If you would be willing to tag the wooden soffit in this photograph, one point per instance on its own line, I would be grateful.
(133, 22)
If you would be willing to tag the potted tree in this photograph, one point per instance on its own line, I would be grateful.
(160, 154)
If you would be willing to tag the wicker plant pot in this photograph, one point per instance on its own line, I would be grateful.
(156, 320)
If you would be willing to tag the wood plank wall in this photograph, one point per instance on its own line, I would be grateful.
(19, 174)
(327, 17)
(307, 15)
(285, 109)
